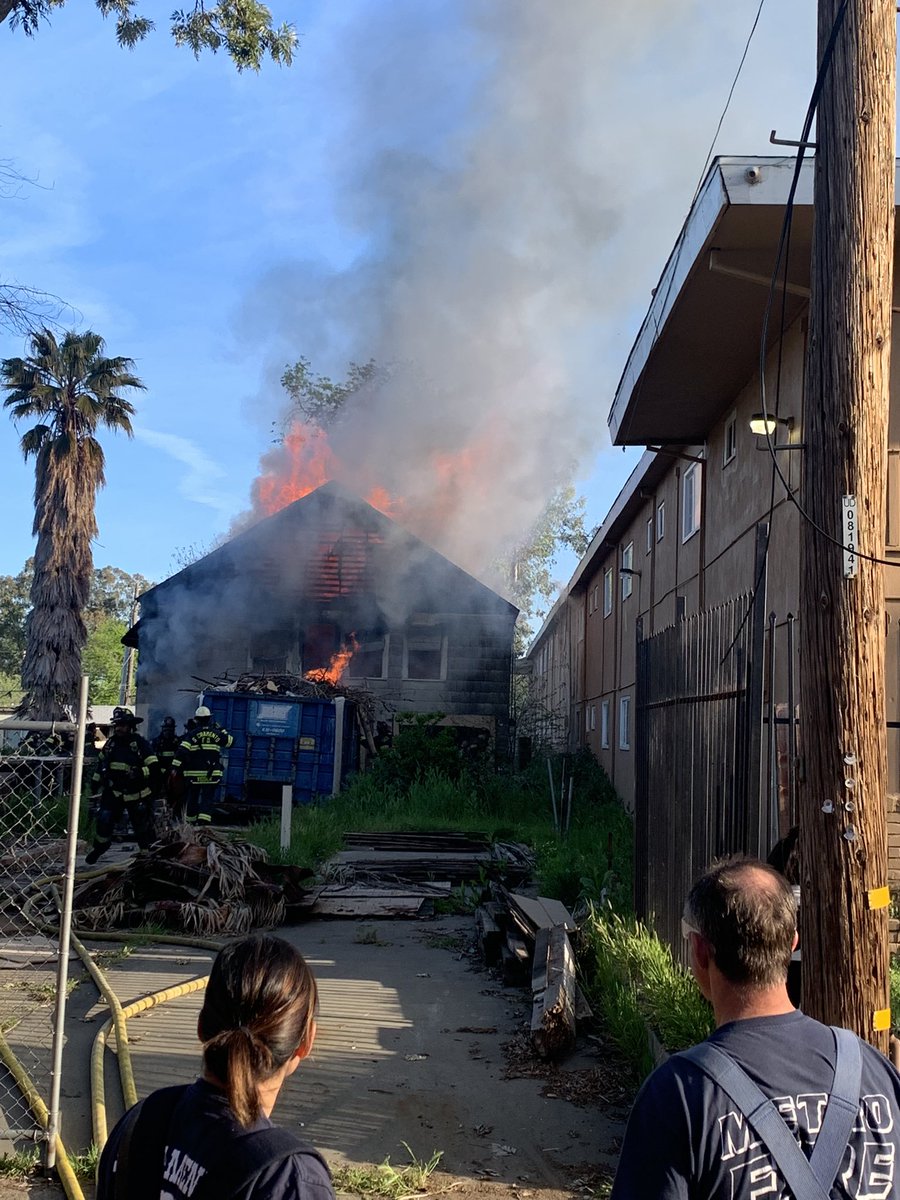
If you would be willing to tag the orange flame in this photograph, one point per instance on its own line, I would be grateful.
(303, 462)
(337, 665)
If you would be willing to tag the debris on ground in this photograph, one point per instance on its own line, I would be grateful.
(528, 937)
(197, 881)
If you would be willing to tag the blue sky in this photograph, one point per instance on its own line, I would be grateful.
(215, 226)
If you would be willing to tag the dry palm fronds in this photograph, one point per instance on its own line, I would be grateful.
(193, 879)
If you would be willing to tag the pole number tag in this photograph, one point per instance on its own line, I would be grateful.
(851, 538)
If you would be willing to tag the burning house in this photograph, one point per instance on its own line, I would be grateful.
(331, 585)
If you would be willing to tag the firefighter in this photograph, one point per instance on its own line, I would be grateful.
(165, 747)
(125, 769)
(199, 761)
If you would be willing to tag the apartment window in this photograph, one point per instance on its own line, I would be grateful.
(269, 651)
(593, 717)
(595, 597)
(625, 723)
(690, 499)
(729, 449)
(660, 520)
(425, 653)
(649, 535)
(627, 567)
(604, 724)
(607, 591)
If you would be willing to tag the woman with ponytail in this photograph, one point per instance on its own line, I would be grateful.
(213, 1140)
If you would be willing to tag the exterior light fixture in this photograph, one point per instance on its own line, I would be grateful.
(765, 425)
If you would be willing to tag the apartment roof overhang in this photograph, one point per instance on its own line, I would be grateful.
(700, 341)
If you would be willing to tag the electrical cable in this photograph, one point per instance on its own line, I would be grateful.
(675, 258)
(781, 264)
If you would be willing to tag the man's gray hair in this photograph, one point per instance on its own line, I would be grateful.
(747, 913)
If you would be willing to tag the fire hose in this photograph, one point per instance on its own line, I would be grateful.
(116, 1022)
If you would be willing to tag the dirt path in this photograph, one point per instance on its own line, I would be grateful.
(418, 1047)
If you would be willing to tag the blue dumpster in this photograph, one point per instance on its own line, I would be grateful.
(310, 744)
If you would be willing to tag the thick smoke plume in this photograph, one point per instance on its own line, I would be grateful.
(494, 182)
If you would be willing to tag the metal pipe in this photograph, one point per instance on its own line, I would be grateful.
(39, 726)
(771, 733)
(792, 723)
(65, 925)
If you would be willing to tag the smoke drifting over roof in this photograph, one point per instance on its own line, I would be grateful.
(501, 214)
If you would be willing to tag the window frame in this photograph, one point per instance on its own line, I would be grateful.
(604, 724)
(607, 591)
(423, 630)
(624, 722)
(627, 562)
(729, 445)
(660, 520)
(691, 516)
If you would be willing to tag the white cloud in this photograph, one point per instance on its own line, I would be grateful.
(201, 481)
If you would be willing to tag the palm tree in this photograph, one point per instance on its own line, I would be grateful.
(72, 388)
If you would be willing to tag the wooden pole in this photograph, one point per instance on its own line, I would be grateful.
(843, 839)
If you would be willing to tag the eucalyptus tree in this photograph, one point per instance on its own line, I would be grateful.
(73, 389)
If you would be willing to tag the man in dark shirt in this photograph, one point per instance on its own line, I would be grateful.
(686, 1137)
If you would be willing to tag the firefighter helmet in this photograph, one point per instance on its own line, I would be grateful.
(202, 711)
(125, 716)
(168, 722)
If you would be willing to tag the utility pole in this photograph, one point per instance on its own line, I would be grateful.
(843, 838)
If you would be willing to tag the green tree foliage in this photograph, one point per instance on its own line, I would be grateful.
(15, 601)
(101, 660)
(72, 388)
(243, 28)
(318, 399)
(528, 570)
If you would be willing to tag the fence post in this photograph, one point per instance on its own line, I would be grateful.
(65, 925)
(755, 697)
(287, 804)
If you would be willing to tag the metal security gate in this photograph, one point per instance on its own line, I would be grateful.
(40, 788)
(699, 693)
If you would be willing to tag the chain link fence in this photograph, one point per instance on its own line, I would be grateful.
(39, 777)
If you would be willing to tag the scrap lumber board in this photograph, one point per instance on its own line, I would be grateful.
(372, 906)
(400, 840)
(553, 1011)
(490, 934)
(543, 912)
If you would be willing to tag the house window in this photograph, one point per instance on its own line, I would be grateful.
(370, 659)
(625, 723)
(593, 717)
(604, 724)
(268, 654)
(649, 535)
(627, 567)
(729, 449)
(607, 591)
(660, 520)
(690, 499)
(425, 653)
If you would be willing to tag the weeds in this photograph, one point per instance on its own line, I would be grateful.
(84, 1164)
(367, 935)
(20, 1164)
(635, 981)
(385, 1179)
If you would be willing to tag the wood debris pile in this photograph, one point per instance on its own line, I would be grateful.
(404, 873)
(528, 938)
(300, 688)
(196, 881)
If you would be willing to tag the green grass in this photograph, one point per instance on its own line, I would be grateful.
(385, 1179)
(635, 982)
(84, 1163)
(592, 861)
(20, 1164)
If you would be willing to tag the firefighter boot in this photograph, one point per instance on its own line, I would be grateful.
(98, 849)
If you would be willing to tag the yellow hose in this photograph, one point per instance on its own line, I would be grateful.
(98, 1089)
(129, 1092)
(38, 1107)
